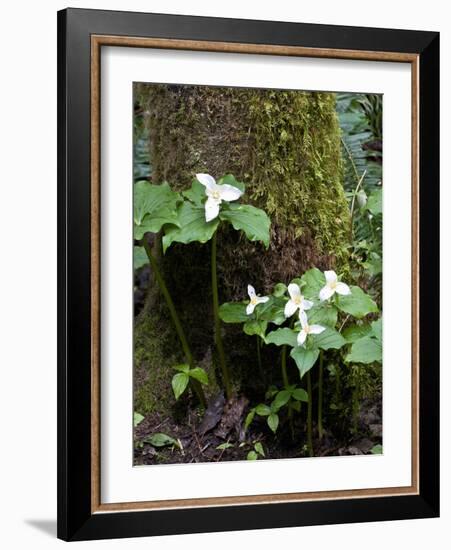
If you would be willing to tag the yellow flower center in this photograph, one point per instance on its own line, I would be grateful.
(298, 300)
(333, 285)
(254, 301)
(216, 195)
(307, 329)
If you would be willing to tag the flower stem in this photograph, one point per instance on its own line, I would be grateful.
(259, 357)
(175, 319)
(309, 415)
(320, 396)
(218, 338)
(284, 367)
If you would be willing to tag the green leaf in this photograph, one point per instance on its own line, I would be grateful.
(233, 312)
(304, 358)
(254, 327)
(196, 193)
(281, 399)
(179, 383)
(182, 368)
(273, 421)
(272, 310)
(313, 280)
(324, 315)
(377, 449)
(300, 395)
(295, 405)
(139, 257)
(259, 448)
(230, 179)
(355, 332)
(358, 303)
(282, 337)
(374, 203)
(366, 350)
(161, 440)
(254, 222)
(376, 329)
(192, 226)
(137, 419)
(250, 416)
(329, 339)
(200, 375)
(224, 446)
(153, 207)
(279, 290)
(252, 455)
(262, 410)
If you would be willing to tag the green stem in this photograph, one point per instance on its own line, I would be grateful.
(320, 396)
(259, 357)
(218, 338)
(309, 415)
(284, 367)
(175, 319)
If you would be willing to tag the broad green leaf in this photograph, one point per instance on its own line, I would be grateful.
(137, 418)
(196, 193)
(314, 281)
(377, 449)
(254, 222)
(254, 327)
(355, 332)
(233, 312)
(282, 337)
(230, 179)
(139, 257)
(300, 395)
(200, 375)
(182, 368)
(374, 203)
(250, 416)
(279, 290)
(192, 226)
(329, 339)
(161, 440)
(273, 421)
(153, 207)
(304, 358)
(366, 350)
(259, 448)
(272, 310)
(224, 446)
(281, 399)
(179, 383)
(252, 455)
(262, 410)
(376, 329)
(324, 314)
(358, 303)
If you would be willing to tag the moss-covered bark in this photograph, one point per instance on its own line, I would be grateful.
(285, 145)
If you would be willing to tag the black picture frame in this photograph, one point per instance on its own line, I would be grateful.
(76, 521)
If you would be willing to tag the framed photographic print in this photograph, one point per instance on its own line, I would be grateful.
(248, 274)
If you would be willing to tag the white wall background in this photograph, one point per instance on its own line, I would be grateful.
(28, 271)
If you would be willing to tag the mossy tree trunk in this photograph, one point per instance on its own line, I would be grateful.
(285, 145)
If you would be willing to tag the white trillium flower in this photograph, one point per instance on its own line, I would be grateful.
(296, 301)
(307, 329)
(333, 285)
(216, 194)
(254, 300)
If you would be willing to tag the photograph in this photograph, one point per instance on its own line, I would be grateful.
(257, 274)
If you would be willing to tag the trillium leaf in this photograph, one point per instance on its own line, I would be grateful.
(358, 303)
(282, 337)
(196, 193)
(137, 418)
(273, 421)
(153, 207)
(366, 350)
(304, 358)
(355, 332)
(279, 290)
(161, 440)
(182, 368)
(255, 327)
(272, 310)
(199, 374)
(254, 222)
(192, 226)
(179, 383)
(314, 281)
(230, 179)
(139, 257)
(259, 448)
(324, 314)
(374, 203)
(262, 410)
(329, 339)
(233, 312)
(250, 416)
(300, 395)
(281, 399)
(252, 455)
(376, 329)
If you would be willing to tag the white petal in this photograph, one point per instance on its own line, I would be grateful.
(301, 337)
(211, 209)
(206, 180)
(229, 193)
(251, 291)
(316, 329)
(343, 289)
(303, 318)
(325, 293)
(262, 299)
(294, 291)
(307, 304)
(290, 308)
(331, 276)
(250, 309)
